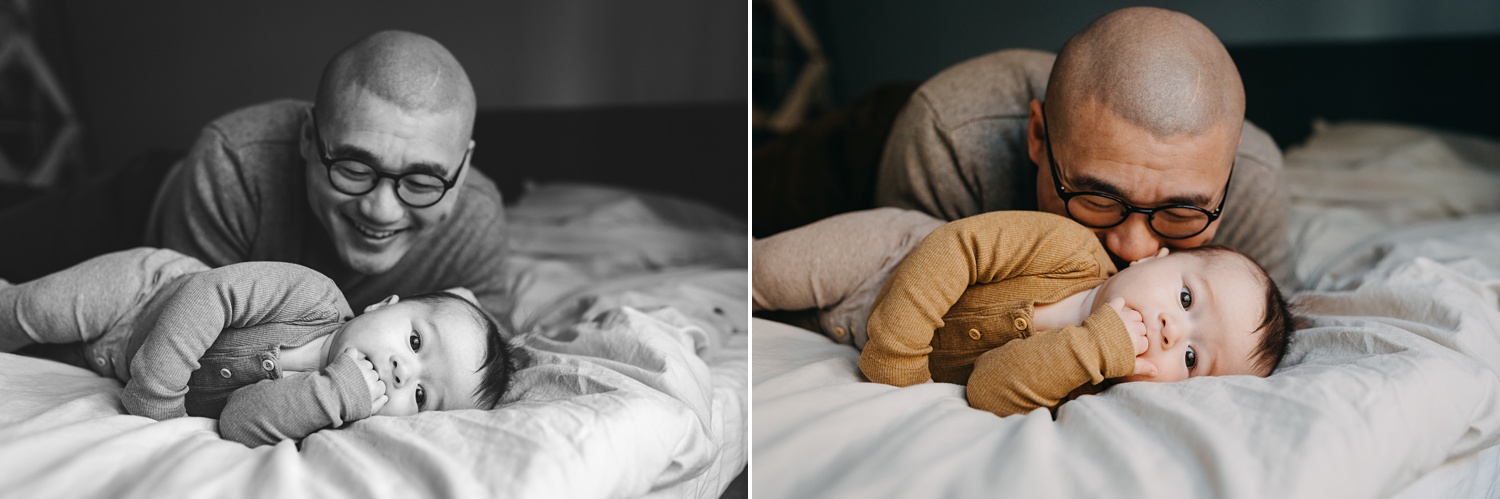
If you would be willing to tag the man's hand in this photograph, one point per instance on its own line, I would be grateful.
(1136, 326)
(372, 379)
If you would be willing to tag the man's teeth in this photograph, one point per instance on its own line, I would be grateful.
(374, 234)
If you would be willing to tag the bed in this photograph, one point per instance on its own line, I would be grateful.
(635, 385)
(1391, 387)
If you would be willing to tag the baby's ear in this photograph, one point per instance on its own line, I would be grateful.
(388, 301)
(464, 293)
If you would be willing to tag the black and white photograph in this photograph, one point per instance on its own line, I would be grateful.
(374, 249)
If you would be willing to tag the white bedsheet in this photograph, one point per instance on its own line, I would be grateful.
(1397, 373)
(636, 386)
(1387, 384)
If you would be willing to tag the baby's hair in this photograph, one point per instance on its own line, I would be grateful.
(499, 364)
(1276, 326)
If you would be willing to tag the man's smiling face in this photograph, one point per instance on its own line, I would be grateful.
(373, 231)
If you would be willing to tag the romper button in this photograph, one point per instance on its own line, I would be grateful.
(99, 360)
(839, 332)
(224, 372)
(1022, 324)
(267, 364)
(974, 333)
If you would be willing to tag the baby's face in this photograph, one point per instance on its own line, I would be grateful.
(1201, 312)
(428, 355)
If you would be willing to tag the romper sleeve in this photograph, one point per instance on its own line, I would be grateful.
(295, 406)
(984, 248)
(205, 305)
(1042, 370)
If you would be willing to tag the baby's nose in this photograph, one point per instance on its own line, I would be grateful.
(399, 370)
(1168, 333)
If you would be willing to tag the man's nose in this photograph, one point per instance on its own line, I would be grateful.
(1133, 239)
(381, 205)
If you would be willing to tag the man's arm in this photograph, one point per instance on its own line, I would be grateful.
(295, 406)
(981, 249)
(920, 170)
(1042, 370)
(204, 209)
(209, 302)
(958, 148)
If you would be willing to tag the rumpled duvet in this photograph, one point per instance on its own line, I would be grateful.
(633, 386)
(1391, 378)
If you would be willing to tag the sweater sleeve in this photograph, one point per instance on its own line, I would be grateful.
(919, 169)
(209, 302)
(1042, 370)
(985, 248)
(295, 406)
(204, 208)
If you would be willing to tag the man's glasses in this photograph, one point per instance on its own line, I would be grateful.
(1102, 211)
(355, 178)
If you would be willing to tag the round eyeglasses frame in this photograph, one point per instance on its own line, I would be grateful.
(1127, 208)
(396, 179)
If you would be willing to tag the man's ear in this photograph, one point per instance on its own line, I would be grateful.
(464, 293)
(388, 301)
(1036, 136)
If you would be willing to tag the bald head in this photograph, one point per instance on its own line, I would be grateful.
(1157, 69)
(411, 71)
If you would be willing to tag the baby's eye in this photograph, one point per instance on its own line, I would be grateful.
(415, 341)
(421, 397)
(1190, 358)
(1186, 297)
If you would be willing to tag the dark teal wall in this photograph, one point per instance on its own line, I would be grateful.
(872, 41)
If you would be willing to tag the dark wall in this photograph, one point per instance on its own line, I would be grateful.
(151, 74)
(1428, 63)
(689, 150)
(869, 42)
(1446, 83)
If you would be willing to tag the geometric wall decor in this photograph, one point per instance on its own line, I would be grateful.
(39, 131)
(810, 86)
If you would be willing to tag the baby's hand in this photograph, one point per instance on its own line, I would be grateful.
(372, 379)
(1136, 326)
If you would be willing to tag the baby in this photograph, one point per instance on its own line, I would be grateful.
(1027, 309)
(269, 348)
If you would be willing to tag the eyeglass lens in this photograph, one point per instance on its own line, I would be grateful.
(1100, 212)
(355, 178)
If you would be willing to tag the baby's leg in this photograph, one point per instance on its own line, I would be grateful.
(86, 302)
(836, 266)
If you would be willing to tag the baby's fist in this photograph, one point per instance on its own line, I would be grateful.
(372, 379)
(1134, 324)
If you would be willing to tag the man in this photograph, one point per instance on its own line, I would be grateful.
(369, 185)
(1141, 129)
